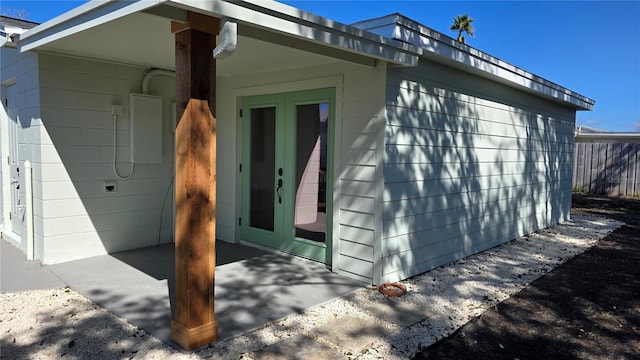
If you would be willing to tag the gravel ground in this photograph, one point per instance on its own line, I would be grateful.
(51, 324)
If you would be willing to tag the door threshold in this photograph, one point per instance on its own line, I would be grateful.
(280, 252)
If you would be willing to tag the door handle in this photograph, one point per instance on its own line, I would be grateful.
(278, 191)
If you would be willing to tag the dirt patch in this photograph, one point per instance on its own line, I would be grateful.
(587, 308)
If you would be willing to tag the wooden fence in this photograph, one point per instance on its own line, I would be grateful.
(607, 168)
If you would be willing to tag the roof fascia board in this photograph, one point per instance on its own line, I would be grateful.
(69, 15)
(273, 37)
(299, 16)
(15, 25)
(84, 17)
(442, 48)
(504, 76)
(453, 50)
(588, 130)
(631, 137)
(299, 25)
(280, 39)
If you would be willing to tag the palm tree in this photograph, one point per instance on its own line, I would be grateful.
(462, 23)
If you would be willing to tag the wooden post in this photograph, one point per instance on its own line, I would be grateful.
(194, 322)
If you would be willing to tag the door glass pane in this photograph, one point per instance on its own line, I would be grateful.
(262, 167)
(311, 171)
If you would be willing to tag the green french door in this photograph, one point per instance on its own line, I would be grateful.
(286, 172)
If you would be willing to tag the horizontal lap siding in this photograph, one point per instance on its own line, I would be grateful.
(468, 164)
(23, 69)
(361, 174)
(77, 218)
(357, 209)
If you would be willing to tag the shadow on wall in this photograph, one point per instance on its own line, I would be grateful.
(467, 167)
(89, 147)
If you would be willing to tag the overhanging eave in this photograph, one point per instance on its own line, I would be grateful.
(269, 21)
(441, 48)
(80, 19)
(296, 24)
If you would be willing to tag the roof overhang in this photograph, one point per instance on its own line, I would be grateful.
(394, 38)
(444, 49)
(258, 19)
(10, 28)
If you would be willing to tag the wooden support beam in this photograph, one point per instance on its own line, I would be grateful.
(194, 322)
(196, 21)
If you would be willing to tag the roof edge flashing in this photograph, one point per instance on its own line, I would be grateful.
(282, 19)
(82, 18)
(626, 137)
(286, 11)
(68, 16)
(441, 47)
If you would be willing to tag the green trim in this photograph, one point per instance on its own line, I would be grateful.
(283, 237)
(256, 235)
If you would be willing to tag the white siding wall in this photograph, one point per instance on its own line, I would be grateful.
(469, 164)
(21, 69)
(73, 148)
(227, 164)
(75, 218)
(362, 146)
(4, 167)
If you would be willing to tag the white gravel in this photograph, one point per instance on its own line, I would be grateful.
(51, 324)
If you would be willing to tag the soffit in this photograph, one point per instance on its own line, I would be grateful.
(146, 40)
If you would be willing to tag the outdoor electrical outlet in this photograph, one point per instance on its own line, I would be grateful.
(116, 110)
(110, 186)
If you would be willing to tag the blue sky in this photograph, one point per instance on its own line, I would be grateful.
(590, 47)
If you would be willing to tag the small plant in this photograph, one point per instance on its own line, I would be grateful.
(579, 189)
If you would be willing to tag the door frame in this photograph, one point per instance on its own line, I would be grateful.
(9, 231)
(335, 82)
(284, 236)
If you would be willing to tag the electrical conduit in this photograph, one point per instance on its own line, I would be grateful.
(115, 148)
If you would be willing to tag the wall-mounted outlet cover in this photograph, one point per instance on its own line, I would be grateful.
(117, 110)
(110, 186)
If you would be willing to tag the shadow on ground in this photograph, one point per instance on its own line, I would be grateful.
(587, 308)
(76, 329)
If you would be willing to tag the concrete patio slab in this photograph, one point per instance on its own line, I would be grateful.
(122, 289)
(252, 287)
(18, 274)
